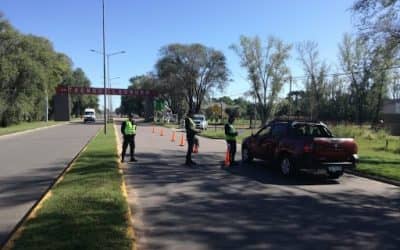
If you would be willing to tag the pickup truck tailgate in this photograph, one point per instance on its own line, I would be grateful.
(334, 149)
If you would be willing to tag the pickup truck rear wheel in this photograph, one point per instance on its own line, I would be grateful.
(246, 155)
(286, 166)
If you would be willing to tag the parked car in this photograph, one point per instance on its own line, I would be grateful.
(200, 121)
(301, 146)
(90, 115)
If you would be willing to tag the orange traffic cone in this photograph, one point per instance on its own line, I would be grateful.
(227, 161)
(182, 141)
(173, 136)
(153, 130)
(161, 132)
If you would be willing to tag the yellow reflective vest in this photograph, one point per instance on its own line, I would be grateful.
(130, 129)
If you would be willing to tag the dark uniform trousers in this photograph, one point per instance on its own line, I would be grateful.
(190, 143)
(128, 140)
(232, 150)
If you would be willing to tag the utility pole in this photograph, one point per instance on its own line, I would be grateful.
(104, 74)
(290, 96)
(222, 120)
(109, 85)
(255, 113)
(47, 107)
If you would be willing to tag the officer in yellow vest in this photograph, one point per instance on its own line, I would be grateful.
(128, 129)
(191, 131)
(230, 136)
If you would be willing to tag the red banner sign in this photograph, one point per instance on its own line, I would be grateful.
(100, 91)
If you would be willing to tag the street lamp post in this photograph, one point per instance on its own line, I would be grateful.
(104, 75)
(109, 79)
(107, 56)
(110, 96)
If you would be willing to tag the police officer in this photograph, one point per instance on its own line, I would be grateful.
(191, 131)
(128, 129)
(230, 136)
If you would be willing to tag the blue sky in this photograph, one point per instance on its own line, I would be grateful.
(142, 27)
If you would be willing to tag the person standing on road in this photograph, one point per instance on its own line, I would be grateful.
(230, 136)
(128, 130)
(191, 132)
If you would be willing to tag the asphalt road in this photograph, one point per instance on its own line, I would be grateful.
(29, 164)
(251, 206)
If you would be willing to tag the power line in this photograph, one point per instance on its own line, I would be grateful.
(347, 73)
(304, 77)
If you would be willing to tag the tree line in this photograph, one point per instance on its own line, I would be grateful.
(30, 70)
(367, 73)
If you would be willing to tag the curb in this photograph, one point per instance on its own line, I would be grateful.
(373, 177)
(15, 233)
(31, 130)
(129, 217)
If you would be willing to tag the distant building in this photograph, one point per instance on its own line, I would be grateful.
(391, 116)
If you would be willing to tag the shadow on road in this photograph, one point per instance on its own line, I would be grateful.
(20, 193)
(263, 173)
(253, 207)
(18, 190)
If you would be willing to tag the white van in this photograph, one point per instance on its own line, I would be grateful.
(200, 121)
(90, 115)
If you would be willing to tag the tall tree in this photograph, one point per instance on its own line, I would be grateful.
(30, 69)
(135, 104)
(316, 72)
(198, 69)
(379, 20)
(170, 85)
(356, 59)
(266, 69)
(383, 61)
(80, 102)
(394, 85)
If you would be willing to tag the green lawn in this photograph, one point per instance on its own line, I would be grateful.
(375, 159)
(87, 209)
(219, 133)
(24, 126)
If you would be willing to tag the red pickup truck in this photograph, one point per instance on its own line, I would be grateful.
(301, 146)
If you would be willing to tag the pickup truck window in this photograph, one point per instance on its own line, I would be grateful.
(264, 131)
(313, 130)
(278, 130)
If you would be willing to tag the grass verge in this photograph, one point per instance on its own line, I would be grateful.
(86, 209)
(376, 159)
(379, 152)
(219, 133)
(25, 126)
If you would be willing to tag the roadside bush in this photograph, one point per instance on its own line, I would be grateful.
(353, 131)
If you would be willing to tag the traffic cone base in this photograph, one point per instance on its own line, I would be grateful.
(227, 161)
(173, 136)
(182, 142)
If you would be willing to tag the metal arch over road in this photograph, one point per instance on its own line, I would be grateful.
(100, 91)
(62, 100)
(30, 162)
